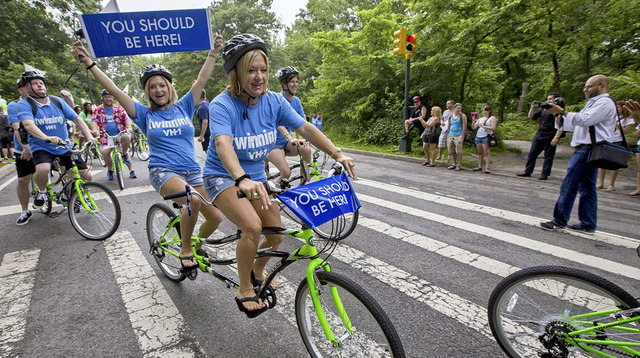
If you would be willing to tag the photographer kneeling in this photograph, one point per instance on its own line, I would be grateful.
(544, 136)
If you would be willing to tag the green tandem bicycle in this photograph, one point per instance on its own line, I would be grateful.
(336, 317)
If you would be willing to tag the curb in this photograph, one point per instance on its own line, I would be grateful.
(7, 169)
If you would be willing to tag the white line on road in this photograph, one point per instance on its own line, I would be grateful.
(17, 278)
(157, 323)
(560, 252)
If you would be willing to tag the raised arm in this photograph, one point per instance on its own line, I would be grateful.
(125, 101)
(205, 71)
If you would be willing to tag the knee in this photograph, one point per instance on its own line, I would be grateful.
(285, 172)
(252, 231)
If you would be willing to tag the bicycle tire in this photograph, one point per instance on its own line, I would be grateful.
(46, 208)
(142, 150)
(159, 217)
(101, 158)
(117, 166)
(537, 302)
(373, 333)
(100, 222)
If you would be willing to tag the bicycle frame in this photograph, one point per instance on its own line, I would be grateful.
(572, 337)
(307, 251)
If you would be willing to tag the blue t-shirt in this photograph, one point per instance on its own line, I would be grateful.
(203, 113)
(51, 121)
(12, 113)
(316, 121)
(455, 126)
(170, 134)
(297, 106)
(254, 137)
(112, 127)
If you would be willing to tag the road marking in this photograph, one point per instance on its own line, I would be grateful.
(156, 321)
(17, 279)
(601, 236)
(8, 182)
(560, 252)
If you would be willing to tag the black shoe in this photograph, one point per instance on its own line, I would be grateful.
(543, 177)
(523, 175)
(551, 226)
(579, 227)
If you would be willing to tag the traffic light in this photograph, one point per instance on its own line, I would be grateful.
(411, 44)
(400, 41)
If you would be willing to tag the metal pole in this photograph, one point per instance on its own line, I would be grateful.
(89, 87)
(405, 143)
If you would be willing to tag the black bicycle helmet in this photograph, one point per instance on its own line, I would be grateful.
(104, 92)
(285, 73)
(416, 98)
(153, 70)
(27, 76)
(237, 46)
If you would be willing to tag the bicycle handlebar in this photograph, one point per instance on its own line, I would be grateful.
(68, 144)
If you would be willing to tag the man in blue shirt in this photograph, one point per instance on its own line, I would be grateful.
(47, 129)
(599, 112)
(203, 121)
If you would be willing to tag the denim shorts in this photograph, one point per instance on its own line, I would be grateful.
(482, 140)
(159, 175)
(216, 184)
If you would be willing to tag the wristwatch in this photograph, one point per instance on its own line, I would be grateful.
(336, 151)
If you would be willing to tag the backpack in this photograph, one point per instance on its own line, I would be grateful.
(24, 135)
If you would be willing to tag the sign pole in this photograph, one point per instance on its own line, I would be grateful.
(405, 143)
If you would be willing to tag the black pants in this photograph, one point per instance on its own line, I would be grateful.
(537, 146)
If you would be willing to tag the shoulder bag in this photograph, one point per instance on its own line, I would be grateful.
(607, 155)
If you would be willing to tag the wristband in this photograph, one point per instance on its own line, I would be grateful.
(91, 65)
(241, 178)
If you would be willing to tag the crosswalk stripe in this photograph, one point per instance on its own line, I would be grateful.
(601, 236)
(17, 279)
(159, 327)
(560, 252)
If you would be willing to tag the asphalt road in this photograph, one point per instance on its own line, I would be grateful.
(430, 246)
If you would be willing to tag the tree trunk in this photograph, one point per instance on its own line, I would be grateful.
(554, 61)
(525, 88)
(467, 69)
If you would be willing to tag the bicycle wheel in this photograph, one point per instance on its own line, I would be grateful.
(159, 217)
(33, 189)
(530, 310)
(338, 228)
(142, 150)
(100, 158)
(101, 218)
(117, 167)
(371, 333)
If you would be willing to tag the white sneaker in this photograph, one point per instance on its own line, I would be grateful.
(24, 217)
(41, 197)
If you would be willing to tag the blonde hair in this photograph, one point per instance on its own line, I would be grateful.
(438, 111)
(173, 95)
(241, 70)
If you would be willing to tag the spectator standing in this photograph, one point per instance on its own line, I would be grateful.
(455, 137)
(430, 136)
(542, 140)
(318, 122)
(485, 125)
(627, 123)
(5, 136)
(203, 121)
(414, 120)
(633, 108)
(444, 125)
(599, 112)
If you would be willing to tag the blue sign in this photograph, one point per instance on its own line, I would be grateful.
(318, 202)
(134, 33)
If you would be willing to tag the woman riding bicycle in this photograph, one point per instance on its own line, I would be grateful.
(286, 144)
(166, 121)
(243, 121)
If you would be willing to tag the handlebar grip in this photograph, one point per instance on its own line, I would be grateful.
(174, 195)
(267, 186)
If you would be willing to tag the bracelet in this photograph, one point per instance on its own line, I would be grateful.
(556, 137)
(241, 178)
(336, 151)
(91, 65)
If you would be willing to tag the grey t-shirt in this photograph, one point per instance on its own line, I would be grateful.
(446, 115)
(5, 127)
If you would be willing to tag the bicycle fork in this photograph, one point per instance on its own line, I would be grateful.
(315, 292)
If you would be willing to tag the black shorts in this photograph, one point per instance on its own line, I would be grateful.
(6, 142)
(430, 139)
(24, 167)
(42, 156)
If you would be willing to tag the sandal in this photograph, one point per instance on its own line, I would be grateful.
(432, 165)
(458, 168)
(634, 193)
(477, 169)
(188, 267)
(425, 164)
(250, 313)
(258, 283)
(487, 172)
(451, 167)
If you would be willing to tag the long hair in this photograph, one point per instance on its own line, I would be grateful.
(242, 70)
(488, 109)
(173, 95)
(437, 111)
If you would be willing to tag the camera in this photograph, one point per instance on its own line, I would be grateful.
(547, 104)
(79, 33)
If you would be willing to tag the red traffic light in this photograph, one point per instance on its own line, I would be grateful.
(410, 38)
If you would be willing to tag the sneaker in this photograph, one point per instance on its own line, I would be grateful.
(24, 217)
(41, 197)
(110, 175)
(579, 227)
(132, 175)
(125, 158)
(551, 226)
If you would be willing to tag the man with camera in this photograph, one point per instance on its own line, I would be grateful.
(599, 112)
(544, 136)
